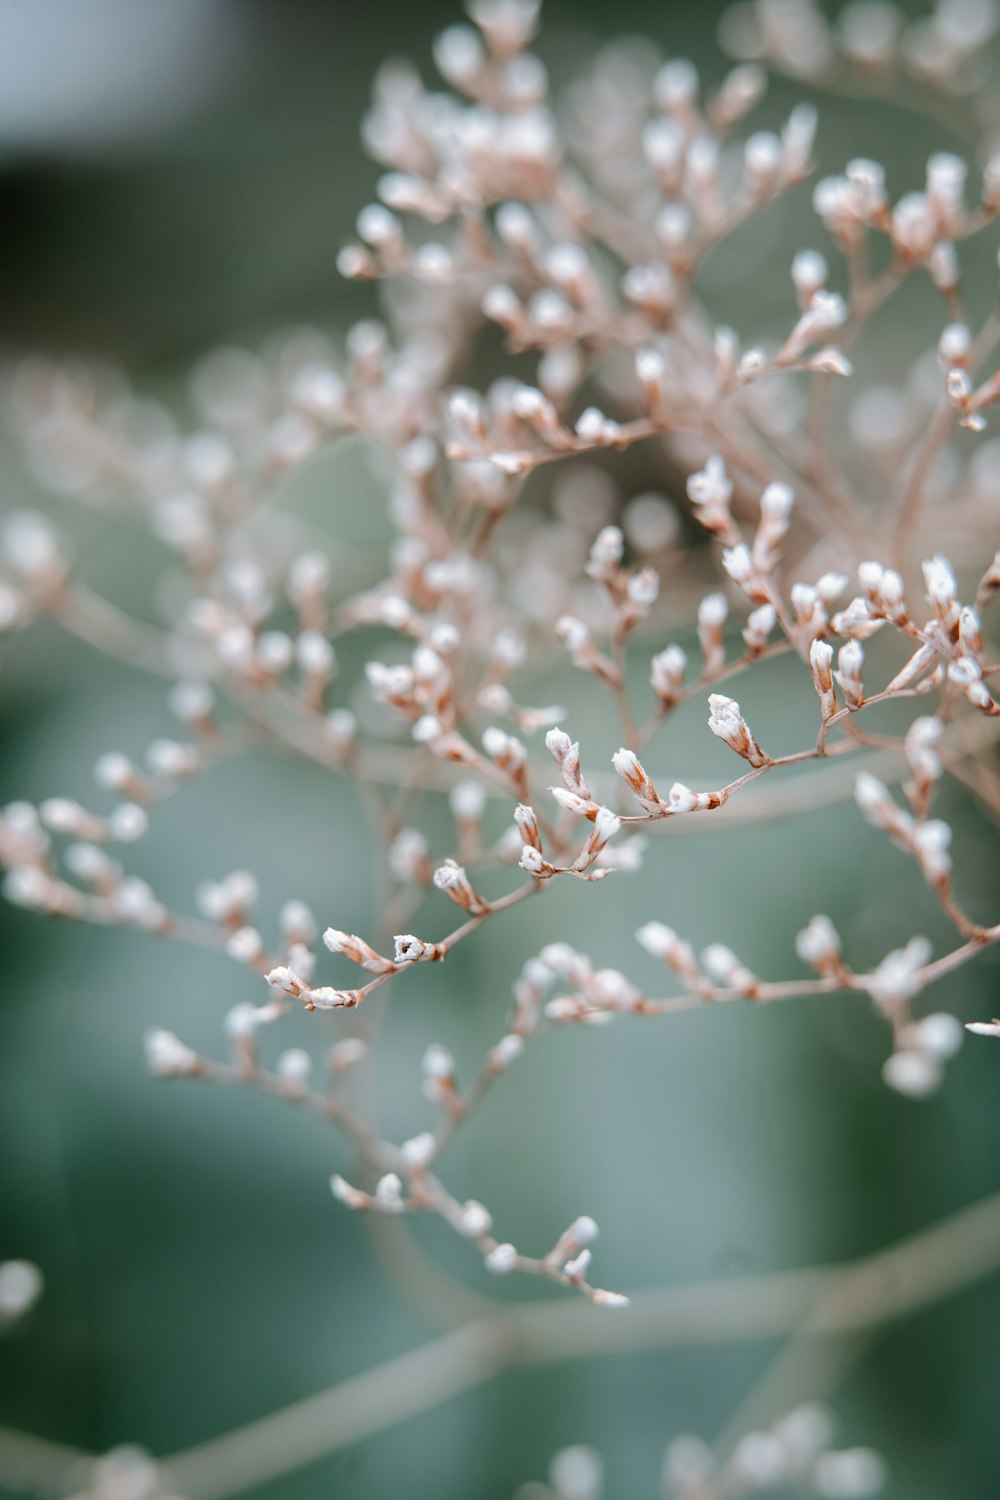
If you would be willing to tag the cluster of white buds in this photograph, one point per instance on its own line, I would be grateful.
(582, 243)
(134, 903)
(572, 1254)
(662, 942)
(632, 594)
(125, 824)
(922, 758)
(262, 660)
(931, 841)
(967, 674)
(531, 858)
(36, 890)
(825, 313)
(422, 690)
(228, 901)
(94, 867)
(884, 592)
(566, 754)
(387, 1198)
(810, 610)
(321, 997)
(916, 1067)
(899, 976)
(597, 993)
(850, 204)
(928, 840)
(795, 1453)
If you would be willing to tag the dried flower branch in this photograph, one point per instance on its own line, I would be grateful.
(584, 247)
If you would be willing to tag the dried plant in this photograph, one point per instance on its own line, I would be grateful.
(579, 230)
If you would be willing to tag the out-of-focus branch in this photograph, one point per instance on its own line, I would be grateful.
(820, 1302)
(37, 1466)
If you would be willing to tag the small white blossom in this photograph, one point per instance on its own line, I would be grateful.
(168, 1056)
(501, 1260)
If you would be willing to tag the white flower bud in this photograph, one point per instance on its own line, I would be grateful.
(127, 823)
(21, 1285)
(818, 945)
(939, 1034)
(245, 945)
(849, 1474)
(294, 1065)
(418, 1151)
(167, 1056)
(601, 1298)
(501, 1260)
(475, 1220)
(389, 1194)
(438, 1063)
(577, 1474)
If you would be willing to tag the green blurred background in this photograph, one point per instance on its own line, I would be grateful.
(178, 173)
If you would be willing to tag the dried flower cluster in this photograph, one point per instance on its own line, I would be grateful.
(577, 228)
(794, 1456)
